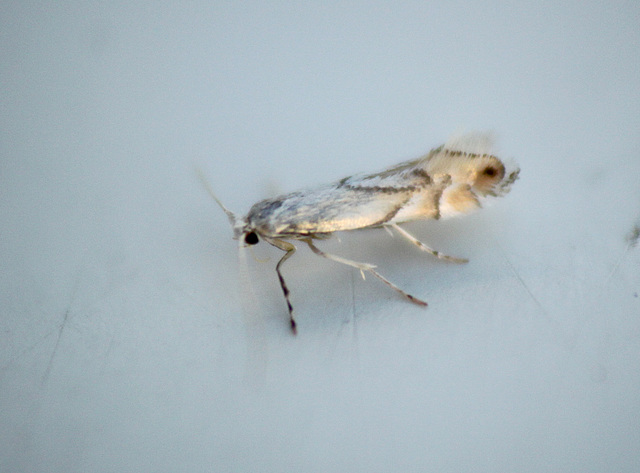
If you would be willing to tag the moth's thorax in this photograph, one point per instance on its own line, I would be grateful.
(240, 228)
(281, 215)
(261, 217)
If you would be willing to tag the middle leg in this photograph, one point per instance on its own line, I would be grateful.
(364, 267)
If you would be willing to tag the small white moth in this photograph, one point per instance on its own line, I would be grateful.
(450, 180)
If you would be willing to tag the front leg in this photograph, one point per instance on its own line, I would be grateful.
(290, 250)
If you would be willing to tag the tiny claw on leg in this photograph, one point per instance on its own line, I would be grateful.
(417, 301)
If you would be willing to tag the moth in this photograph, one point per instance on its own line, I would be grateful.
(450, 180)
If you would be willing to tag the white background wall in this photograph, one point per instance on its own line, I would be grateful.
(128, 341)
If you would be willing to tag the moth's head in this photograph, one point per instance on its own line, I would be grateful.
(244, 232)
(250, 238)
(247, 236)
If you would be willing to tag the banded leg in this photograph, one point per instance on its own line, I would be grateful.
(364, 267)
(424, 247)
(290, 250)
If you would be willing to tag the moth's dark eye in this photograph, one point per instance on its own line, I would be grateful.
(251, 238)
(490, 172)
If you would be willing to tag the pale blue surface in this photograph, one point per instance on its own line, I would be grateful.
(124, 342)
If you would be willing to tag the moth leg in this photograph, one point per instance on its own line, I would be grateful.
(290, 250)
(424, 247)
(364, 267)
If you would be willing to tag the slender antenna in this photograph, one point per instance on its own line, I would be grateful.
(203, 180)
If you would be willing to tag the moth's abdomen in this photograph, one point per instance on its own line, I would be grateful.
(458, 199)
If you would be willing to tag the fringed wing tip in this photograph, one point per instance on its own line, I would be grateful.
(479, 142)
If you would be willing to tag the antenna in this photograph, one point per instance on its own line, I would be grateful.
(203, 180)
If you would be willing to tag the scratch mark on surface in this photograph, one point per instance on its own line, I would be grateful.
(345, 343)
(522, 283)
(106, 355)
(634, 236)
(47, 372)
(632, 239)
(25, 351)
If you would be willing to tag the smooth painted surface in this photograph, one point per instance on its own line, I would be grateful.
(130, 340)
